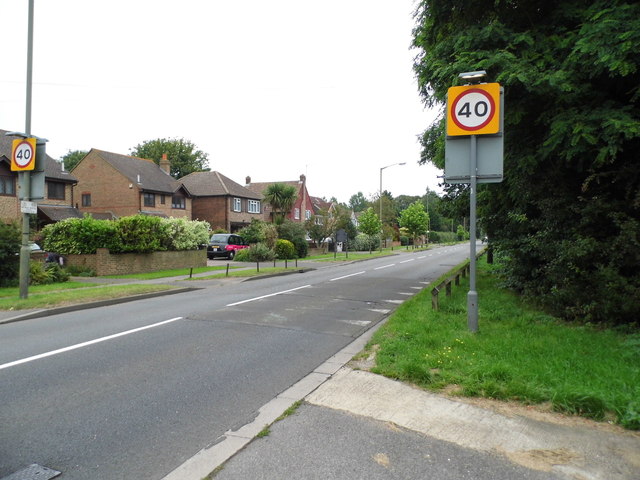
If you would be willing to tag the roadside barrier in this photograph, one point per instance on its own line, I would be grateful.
(453, 277)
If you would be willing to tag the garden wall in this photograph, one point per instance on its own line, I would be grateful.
(105, 263)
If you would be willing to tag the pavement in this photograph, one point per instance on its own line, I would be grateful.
(348, 423)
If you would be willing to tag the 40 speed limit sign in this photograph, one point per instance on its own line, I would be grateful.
(473, 109)
(23, 154)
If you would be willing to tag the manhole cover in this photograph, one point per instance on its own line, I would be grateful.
(33, 472)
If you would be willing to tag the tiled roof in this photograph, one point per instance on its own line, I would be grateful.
(146, 173)
(59, 212)
(260, 187)
(212, 184)
(52, 169)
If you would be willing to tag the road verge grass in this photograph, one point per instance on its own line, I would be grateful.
(61, 297)
(519, 354)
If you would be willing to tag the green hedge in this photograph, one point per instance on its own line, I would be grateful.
(134, 234)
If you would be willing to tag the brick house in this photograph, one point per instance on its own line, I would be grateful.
(113, 185)
(222, 202)
(303, 207)
(57, 203)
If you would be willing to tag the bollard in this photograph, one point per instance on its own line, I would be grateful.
(258, 267)
(434, 299)
(190, 272)
(227, 270)
(286, 263)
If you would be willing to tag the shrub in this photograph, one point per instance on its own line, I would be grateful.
(242, 255)
(296, 234)
(45, 273)
(9, 261)
(78, 235)
(259, 253)
(285, 249)
(183, 234)
(366, 242)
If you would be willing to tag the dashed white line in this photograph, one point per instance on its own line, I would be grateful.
(86, 344)
(384, 266)
(410, 260)
(266, 296)
(346, 276)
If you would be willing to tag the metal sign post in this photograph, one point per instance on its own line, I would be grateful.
(473, 154)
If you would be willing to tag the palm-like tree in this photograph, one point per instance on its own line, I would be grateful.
(281, 197)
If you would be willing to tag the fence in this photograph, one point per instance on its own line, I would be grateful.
(453, 277)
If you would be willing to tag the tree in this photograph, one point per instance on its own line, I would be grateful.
(415, 220)
(72, 158)
(566, 218)
(369, 223)
(358, 202)
(184, 156)
(282, 198)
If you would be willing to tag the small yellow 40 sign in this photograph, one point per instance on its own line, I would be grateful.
(473, 109)
(23, 154)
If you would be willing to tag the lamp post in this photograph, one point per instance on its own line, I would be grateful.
(380, 198)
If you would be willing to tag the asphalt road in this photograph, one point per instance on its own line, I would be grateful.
(133, 390)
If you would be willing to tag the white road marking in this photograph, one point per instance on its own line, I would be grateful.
(410, 260)
(360, 323)
(394, 301)
(266, 296)
(405, 293)
(416, 288)
(346, 276)
(379, 310)
(384, 266)
(86, 344)
(423, 256)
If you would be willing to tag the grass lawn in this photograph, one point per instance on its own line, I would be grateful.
(520, 353)
(180, 272)
(58, 294)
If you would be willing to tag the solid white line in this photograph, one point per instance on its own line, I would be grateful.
(266, 296)
(384, 266)
(346, 276)
(85, 344)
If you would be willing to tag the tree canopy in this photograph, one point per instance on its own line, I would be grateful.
(415, 219)
(566, 216)
(72, 158)
(184, 156)
(281, 197)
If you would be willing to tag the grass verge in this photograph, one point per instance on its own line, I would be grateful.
(519, 354)
(61, 297)
(248, 273)
(180, 272)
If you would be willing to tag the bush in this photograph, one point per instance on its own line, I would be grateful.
(259, 253)
(285, 249)
(242, 255)
(260, 232)
(9, 261)
(78, 235)
(296, 234)
(45, 273)
(365, 242)
(137, 233)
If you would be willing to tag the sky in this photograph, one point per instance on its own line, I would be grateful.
(270, 89)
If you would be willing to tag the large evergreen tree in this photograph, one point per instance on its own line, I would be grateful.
(566, 216)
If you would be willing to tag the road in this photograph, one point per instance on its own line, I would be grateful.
(134, 390)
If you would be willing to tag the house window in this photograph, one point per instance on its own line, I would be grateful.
(178, 201)
(237, 205)
(296, 214)
(149, 199)
(55, 190)
(162, 200)
(319, 220)
(7, 186)
(86, 199)
(254, 206)
(307, 214)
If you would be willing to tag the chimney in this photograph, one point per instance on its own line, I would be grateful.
(165, 164)
(247, 180)
(303, 178)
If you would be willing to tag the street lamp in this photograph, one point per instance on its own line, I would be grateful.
(380, 198)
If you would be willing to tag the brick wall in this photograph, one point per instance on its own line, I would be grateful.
(105, 263)
(218, 211)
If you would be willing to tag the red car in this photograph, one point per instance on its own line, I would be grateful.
(225, 245)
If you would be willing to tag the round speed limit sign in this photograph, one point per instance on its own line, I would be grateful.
(23, 154)
(473, 109)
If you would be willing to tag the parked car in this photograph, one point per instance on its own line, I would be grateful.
(225, 245)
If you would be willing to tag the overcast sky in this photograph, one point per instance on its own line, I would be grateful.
(267, 88)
